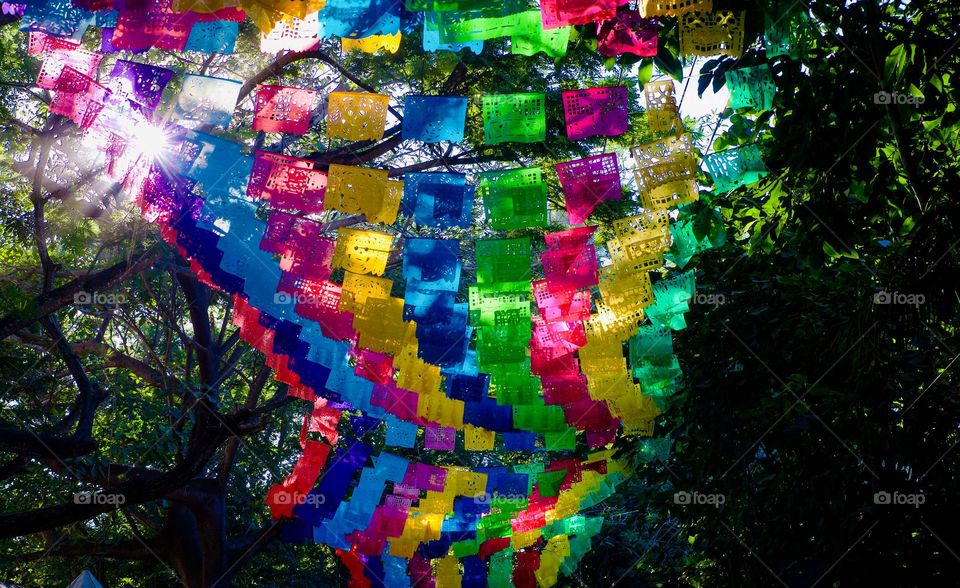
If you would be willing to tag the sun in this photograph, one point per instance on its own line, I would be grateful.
(149, 140)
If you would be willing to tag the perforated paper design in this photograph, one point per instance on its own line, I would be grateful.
(628, 32)
(432, 119)
(588, 182)
(751, 87)
(712, 33)
(514, 199)
(596, 111)
(663, 115)
(357, 116)
(206, 100)
(279, 109)
(519, 118)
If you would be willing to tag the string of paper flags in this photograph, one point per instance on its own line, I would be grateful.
(532, 361)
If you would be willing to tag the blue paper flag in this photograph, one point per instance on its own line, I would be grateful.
(216, 36)
(432, 119)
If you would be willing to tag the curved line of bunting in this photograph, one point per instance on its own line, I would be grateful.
(507, 377)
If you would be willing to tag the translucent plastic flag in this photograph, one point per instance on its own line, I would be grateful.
(751, 87)
(663, 115)
(628, 32)
(433, 119)
(596, 111)
(514, 199)
(673, 7)
(712, 33)
(139, 82)
(666, 172)
(84, 62)
(356, 19)
(588, 182)
(519, 118)
(362, 252)
(280, 109)
(205, 100)
(438, 199)
(357, 116)
(557, 13)
(431, 37)
(216, 36)
(292, 34)
(735, 167)
(535, 39)
(503, 260)
(373, 43)
(78, 97)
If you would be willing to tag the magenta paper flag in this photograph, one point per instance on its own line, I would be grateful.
(280, 109)
(78, 97)
(628, 32)
(560, 13)
(596, 111)
(84, 62)
(588, 182)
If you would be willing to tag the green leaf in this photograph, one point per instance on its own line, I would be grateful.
(644, 73)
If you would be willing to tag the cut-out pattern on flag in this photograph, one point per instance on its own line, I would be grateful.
(78, 97)
(156, 24)
(481, 24)
(39, 43)
(357, 116)
(712, 33)
(431, 37)
(628, 32)
(596, 112)
(139, 82)
(735, 167)
(663, 114)
(666, 172)
(433, 119)
(216, 36)
(588, 182)
(558, 13)
(519, 118)
(288, 183)
(292, 34)
(356, 19)
(55, 17)
(515, 198)
(535, 39)
(787, 34)
(570, 262)
(372, 44)
(441, 200)
(358, 190)
(84, 62)
(674, 7)
(751, 87)
(503, 260)
(362, 252)
(205, 100)
(281, 109)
